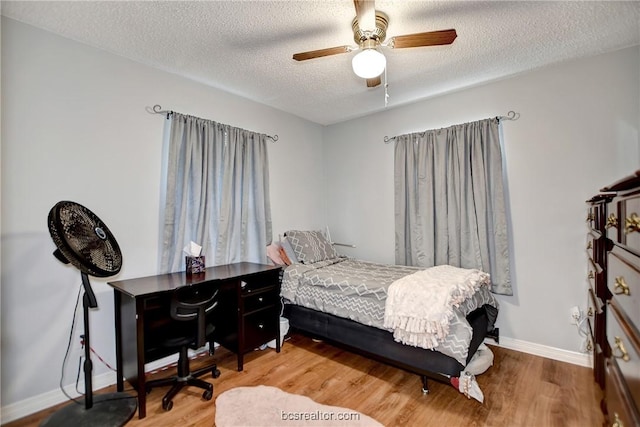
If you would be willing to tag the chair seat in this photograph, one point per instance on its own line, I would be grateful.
(178, 341)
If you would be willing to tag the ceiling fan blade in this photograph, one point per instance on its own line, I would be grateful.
(374, 81)
(303, 56)
(431, 38)
(366, 14)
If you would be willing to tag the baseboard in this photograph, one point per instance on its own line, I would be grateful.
(46, 400)
(573, 357)
(51, 398)
(15, 411)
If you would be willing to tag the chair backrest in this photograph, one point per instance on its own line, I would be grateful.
(189, 304)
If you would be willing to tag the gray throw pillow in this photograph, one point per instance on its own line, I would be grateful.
(289, 251)
(310, 246)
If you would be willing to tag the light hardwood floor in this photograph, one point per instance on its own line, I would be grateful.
(520, 390)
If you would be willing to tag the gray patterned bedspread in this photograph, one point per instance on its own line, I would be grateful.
(357, 290)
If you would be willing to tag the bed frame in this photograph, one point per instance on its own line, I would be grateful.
(379, 344)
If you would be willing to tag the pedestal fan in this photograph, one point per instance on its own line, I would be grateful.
(83, 240)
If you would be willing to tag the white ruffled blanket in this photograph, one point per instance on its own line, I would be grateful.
(419, 307)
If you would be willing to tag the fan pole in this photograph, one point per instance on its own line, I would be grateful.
(110, 409)
(88, 365)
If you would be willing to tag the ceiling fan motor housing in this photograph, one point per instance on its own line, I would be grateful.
(378, 34)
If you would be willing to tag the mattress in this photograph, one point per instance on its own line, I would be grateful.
(357, 290)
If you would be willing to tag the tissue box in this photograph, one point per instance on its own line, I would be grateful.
(194, 264)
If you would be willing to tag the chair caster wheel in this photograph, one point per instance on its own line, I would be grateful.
(167, 405)
(207, 395)
(215, 373)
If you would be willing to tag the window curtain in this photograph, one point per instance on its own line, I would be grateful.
(449, 200)
(217, 193)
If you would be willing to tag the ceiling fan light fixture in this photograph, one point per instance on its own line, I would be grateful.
(369, 63)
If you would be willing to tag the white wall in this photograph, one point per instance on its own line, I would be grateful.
(75, 128)
(578, 131)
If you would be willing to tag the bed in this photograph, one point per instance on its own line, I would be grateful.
(342, 300)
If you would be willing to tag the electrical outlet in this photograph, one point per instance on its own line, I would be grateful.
(576, 315)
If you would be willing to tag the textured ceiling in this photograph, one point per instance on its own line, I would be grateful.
(245, 47)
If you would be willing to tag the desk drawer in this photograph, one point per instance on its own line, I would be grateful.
(260, 300)
(261, 327)
(260, 282)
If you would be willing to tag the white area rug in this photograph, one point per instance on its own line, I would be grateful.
(265, 406)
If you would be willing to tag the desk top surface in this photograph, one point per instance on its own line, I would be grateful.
(168, 282)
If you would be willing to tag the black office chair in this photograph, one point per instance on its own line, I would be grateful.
(194, 306)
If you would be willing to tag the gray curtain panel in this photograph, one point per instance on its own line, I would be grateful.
(217, 193)
(449, 200)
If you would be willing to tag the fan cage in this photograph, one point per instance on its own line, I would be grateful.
(84, 239)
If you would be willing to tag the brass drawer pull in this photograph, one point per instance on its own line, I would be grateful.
(632, 223)
(616, 421)
(612, 221)
(590, 312)
(589, 346)
(623, 352)
(622, 285)
(590, 276)
(590, 217)
(590, 245)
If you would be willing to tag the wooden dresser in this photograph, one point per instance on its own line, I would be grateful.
(622, 322)
(597, 293)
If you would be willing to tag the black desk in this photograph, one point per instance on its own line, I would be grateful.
(248, 315)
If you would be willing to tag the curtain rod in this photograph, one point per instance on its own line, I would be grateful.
(157, 109)
(511, 115)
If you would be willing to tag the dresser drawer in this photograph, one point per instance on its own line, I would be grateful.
(593, 270)
(623, 281)
(591, 253)
(624, 343)
(591, 217)
(612, 223)
(628, 213)
(594, 306)
(621, 410)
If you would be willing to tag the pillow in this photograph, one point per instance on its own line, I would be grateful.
(283, 255)
(273, 253)
(310, 246)
(288, 250)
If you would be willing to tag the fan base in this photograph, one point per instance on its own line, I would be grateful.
(111, 409)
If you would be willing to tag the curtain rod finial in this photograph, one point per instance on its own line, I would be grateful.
(511, 115)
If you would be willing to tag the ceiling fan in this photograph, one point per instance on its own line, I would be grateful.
(369, 32)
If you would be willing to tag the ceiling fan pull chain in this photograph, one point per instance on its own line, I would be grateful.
(386, 85)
